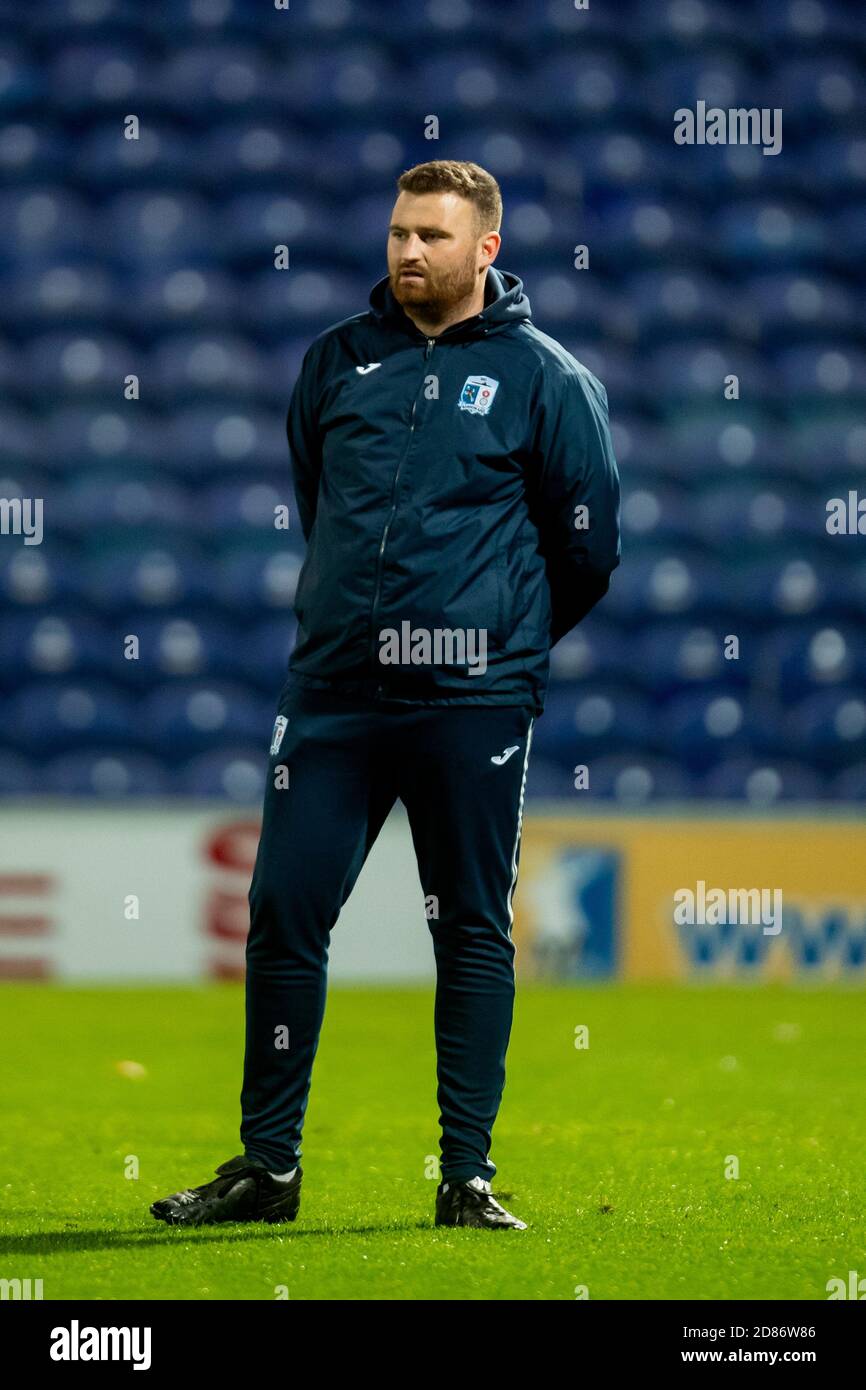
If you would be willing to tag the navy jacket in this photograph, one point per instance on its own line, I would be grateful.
(462, 484)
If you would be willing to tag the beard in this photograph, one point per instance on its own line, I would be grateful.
(438, 293)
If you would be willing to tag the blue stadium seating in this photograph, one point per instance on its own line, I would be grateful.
(153, 257)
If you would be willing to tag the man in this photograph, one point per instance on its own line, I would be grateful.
(459, 496)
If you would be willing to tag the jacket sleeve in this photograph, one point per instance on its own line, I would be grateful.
(575, 468)
(304, 446)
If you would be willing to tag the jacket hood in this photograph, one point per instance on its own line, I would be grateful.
(505, 303)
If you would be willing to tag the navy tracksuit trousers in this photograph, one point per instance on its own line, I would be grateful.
(348, 761)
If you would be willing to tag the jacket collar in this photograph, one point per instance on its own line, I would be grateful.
(505, 303)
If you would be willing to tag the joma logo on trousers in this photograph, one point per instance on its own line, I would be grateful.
(76, 1343)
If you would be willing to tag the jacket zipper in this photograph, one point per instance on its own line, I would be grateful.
(431, 343)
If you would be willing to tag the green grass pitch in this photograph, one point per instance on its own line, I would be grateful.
(615, 1154)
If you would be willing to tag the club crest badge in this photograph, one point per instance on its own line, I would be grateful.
(281, 723)
(477, 394)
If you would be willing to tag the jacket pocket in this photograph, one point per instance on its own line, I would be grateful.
(300, 600)
(504, 602)
(476, 607)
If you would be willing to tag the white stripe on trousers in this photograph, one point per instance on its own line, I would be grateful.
(519, 828)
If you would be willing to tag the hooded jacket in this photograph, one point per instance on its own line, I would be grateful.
(459, 497)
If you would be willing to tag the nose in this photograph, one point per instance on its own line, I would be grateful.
(411, 248)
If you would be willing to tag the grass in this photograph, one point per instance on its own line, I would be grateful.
(615, 1154)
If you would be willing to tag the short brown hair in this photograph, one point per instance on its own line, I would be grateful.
(459, 176)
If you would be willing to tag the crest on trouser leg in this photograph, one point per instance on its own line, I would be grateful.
(280, 725)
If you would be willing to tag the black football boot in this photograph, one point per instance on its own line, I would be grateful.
(472, 1203)
(243, 1191)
